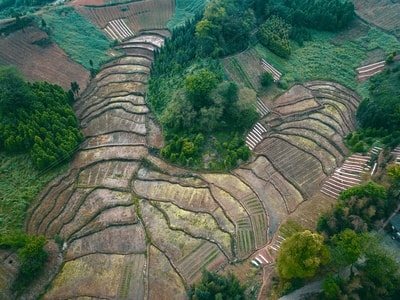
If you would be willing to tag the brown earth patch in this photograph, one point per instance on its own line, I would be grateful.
(39, 59)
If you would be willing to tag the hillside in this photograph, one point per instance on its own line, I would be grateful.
(124, 222)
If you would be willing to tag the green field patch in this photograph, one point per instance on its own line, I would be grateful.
(196, 224)
(100, 273)
(185, 10)
(20, 182)
(81, 40)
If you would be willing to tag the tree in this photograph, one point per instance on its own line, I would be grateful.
(301, 255)
(266, 79)
(199, 87)
(346, 248)
(14, 91)
(215, 286)
(75, 88)
(274, 34)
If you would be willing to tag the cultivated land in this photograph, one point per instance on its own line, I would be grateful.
(39, 59)
(137, 227)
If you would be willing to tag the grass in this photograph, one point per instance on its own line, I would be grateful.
(322, 59)
(20, 182)
(81, 40)
(185, 10)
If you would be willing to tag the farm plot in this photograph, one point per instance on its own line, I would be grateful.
(53, 191)
(114, 138)
(113, 174)
(114, 216)
(200, 225)
(291, 161)
(121, 119)
(86, 157)
(382, 13)
(94, 204)
(151, 175)
(188, 254)
(98, 276)
(313, 142)
(122, 20)
(206, 256)
(46, 61)
(277, 195)
(100, 104)
(365, 72)
(162, 275)
(189, 198)
(248, 199)
(113, 239)
(346, 176)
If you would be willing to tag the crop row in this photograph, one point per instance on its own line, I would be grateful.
(137, 15)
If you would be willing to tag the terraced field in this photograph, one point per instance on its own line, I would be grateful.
(124, 214)
(137, 227)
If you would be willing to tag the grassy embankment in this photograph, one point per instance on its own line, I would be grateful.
(80, 39)
(185, 10)
(20, 182)
(327, 59)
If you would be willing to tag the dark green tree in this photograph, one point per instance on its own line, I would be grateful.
(215, 286)
(301, 255)
(14, 91)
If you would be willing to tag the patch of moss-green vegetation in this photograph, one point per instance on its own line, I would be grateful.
(185, 10)
(80, 39)
(20, 182)
(378, 114)
(204, 117)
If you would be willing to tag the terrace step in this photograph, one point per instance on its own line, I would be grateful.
(118, 30)
(255, 135)
(346, 176)
(396, 153)
(270, 69)
(262, 109)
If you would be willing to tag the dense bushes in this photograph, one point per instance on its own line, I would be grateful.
(274, 34)
(359, 208)
(225, 27)
(31, 256)
(379, 114)
(36, 118)
(192, 100)
(331, 15)
(382, 108)
(215, 286)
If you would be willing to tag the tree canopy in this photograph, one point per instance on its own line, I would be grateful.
(41, 121)
(301, 255)
(218, 287)
(225, 27)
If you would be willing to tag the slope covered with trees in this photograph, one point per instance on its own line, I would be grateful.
(200, 111)
(36, 118)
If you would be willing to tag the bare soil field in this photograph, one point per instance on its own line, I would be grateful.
(39, 59)
(381, 13)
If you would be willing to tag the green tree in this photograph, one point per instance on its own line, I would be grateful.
(266, 79)
(346, 248)
(199, 87)
(215, 286)
(274, 34)
(301, 255)
(14, 91)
